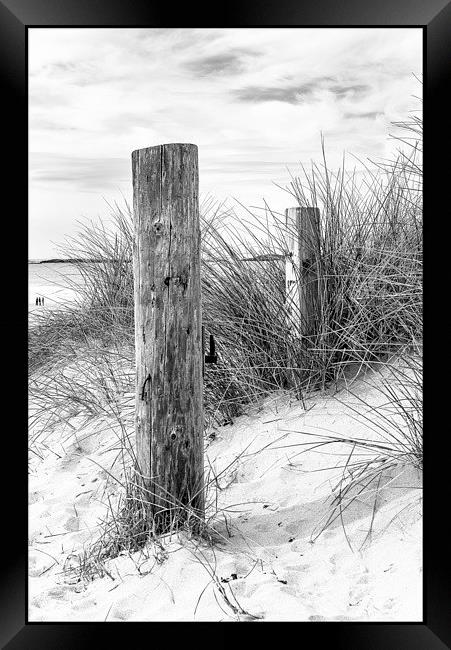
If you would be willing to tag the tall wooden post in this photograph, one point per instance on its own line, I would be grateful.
(166, 262)
(301, 272)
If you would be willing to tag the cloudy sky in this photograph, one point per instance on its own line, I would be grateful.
(255, 101)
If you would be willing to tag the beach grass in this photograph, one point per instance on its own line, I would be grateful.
(81, 359)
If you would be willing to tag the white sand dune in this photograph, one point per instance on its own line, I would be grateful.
(271, 504)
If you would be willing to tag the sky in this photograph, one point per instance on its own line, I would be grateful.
(255, 101)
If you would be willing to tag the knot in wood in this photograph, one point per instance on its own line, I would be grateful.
(176, 432)
(182, 280)
(158, 227)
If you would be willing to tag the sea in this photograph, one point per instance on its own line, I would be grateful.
(56, 282)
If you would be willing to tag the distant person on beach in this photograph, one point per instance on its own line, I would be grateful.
(37, 300)
(42, 302)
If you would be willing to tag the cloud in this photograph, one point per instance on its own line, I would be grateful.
(78, 74)
(258, 94)
(353, 89)
(295, 93)
(82, 174)
(44, 124)
(145, 118)
(370, 115)
(41, 96)
(220, 64)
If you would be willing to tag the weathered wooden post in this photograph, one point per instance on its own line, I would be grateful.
(166, 263)
(301, 270)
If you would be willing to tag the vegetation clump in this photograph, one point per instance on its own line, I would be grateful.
(369, 262)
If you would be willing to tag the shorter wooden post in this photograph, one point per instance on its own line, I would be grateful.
(301, 271)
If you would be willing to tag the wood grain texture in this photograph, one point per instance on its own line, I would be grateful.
(166, 262)
(302, 269)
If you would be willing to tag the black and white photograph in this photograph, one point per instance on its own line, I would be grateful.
(225, 324)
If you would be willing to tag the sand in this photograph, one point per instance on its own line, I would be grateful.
(271, 504)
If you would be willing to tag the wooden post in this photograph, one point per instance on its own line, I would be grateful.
(301, 271)
(168, 318)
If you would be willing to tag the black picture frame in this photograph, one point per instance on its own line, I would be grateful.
(16, 17)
